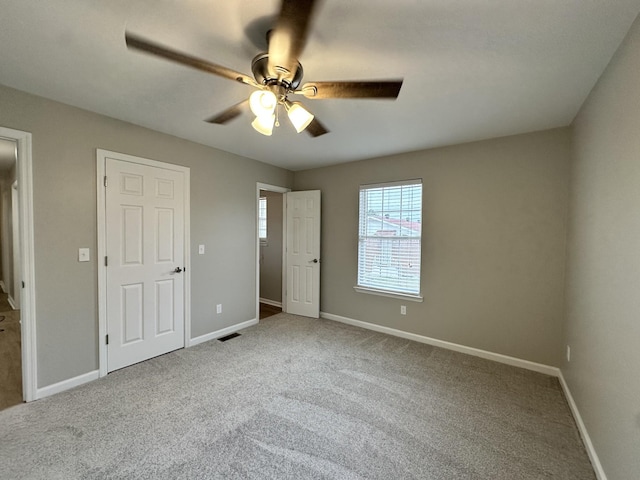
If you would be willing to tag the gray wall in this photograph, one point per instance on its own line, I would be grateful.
(271, 253)
(223, 213)
(603, 269)
(494, 216)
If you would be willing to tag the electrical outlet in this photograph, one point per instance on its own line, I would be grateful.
(219, 308)
(403, 309)
(201, 249)
(568, 353)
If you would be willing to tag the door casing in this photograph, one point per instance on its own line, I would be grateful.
(101, 156)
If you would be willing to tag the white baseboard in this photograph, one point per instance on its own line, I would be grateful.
(67, 384)
(496, 357)
(222, 332)
(11, 302)
(586, 439)
(273, 303)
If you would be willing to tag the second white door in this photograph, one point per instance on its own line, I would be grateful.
(303, 253)
(145, 221)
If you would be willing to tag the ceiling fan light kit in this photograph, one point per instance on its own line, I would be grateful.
(263, 102)
(277, 74)
(299, 116)
(264, 124)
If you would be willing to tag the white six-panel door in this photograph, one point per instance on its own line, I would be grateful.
(303, 253)
(144, 240)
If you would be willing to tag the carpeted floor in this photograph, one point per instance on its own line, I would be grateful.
(300, 398)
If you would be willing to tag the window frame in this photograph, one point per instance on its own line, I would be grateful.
(362, 287)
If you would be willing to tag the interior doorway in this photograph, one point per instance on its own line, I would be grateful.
(270, 282)
(17, 261)
(10, 349)
(299, 247)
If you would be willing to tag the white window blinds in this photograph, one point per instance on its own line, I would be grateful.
(262, 218)
(390, 229)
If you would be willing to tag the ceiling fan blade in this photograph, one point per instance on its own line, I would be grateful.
(315, 128)
(229, 114)
(370, 89)
(138, 43)
(289, 36)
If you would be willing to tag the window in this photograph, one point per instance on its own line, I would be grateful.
(389, 244)
(262, 219)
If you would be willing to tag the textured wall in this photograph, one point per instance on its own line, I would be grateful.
(494, 218)
(223, 217)
(603, 269)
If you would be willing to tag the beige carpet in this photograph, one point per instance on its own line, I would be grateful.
(300, 398)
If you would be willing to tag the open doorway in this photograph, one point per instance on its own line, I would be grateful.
(18, 369)
(270, 248)
(300, 247)
(10, 331)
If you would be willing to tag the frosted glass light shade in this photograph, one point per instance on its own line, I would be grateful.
(264, 124)
(263, 103)
(299, 116)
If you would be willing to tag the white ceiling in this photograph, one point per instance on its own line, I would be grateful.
(472, 69)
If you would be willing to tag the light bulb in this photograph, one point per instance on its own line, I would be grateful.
(264, 124)
(263, 103)
(299, 116)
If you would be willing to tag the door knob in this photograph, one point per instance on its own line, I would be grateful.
(178, 270)
(315, 260)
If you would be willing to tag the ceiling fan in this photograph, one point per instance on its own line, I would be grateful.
(277, 74)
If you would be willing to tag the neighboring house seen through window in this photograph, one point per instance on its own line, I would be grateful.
(262, 219)
(389, 245)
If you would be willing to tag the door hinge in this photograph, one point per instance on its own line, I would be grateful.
(22, 284)
(106, 262)
(105, 180)
(107, 339)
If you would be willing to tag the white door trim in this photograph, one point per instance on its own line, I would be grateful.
(15, 240)
(271, 188)
(24, 176)
(101, 156)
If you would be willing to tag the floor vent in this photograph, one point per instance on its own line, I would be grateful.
(228, 337)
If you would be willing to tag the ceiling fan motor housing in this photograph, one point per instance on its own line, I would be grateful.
(260, 69)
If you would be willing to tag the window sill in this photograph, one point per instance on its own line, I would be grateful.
(384, 293)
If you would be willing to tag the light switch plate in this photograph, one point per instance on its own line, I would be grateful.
(201, 249)
(84, 255)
